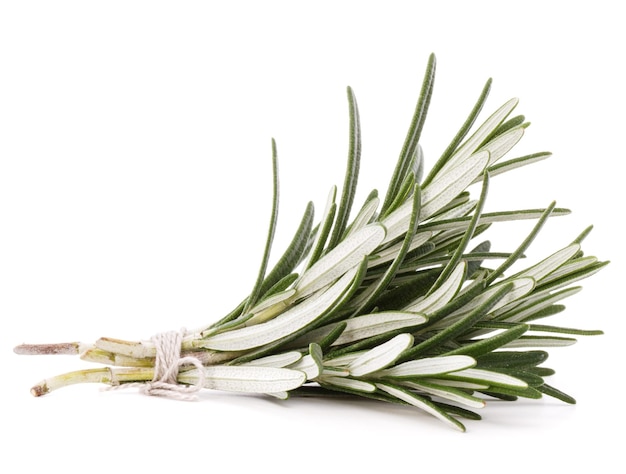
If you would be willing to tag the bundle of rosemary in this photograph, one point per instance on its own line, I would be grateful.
(393, 305)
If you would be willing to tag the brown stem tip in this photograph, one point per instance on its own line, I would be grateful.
(70, 348)
(39, 390)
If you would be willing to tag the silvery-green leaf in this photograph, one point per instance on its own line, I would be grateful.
(477, 139)
(459, 222)
(446, 186)
(442, 295)
(486, 376)
(324, 228)
(369, 325)
(517, 163)
(289, 322)
(344, 360)
(258, 286)
(246, 379)
(570, 267)
(335, 371)
(421, 403)
(348, 383)
(389, 253)
(273, 300)
(540, 341)
(381, 356)
(307, 365)
(270, 307)
(448, 393)
(521, 287)
(534, 303)
(458, 384)
(429, 366)
(397, 222)
(312, 363)
(345, 256)
(278, 360)
(351, 175)
(410, 155)
(437, 194)
(568, 278)
(502, 144)
(279, 395)
(364, 216)
(461, 209)
(550, 264)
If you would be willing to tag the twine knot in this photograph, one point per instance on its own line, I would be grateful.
(166, 367)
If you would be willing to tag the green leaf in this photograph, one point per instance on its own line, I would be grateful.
(465, 128)
(509, 124)
(571, 267)
(311, 364)
(528, 392)
(442, 295)
(456, 256)
(366, 303)
(270, 307)
(489, 218)
(553, 392)
(407, 186)
(409, 148)
(550, 264)
(256, 291)
(449, 393)
(484, 346)
(390, 253)
(502, 144)
(509, 165)
(408, 290)
(422, 403)
(352, 173)
(333, 333)
(324, 229)
(294, 252)
(365, 215)
(533, 303)
(478, 138)
(523, 246)
(512, 359)
(459, 327)
(569, 278)
(520, 288)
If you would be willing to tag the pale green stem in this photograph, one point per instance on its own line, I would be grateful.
(104, 375)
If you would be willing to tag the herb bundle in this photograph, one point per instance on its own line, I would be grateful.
(395, 304)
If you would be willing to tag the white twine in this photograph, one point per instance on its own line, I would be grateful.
(166, 367)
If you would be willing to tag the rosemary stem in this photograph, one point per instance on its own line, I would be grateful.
(105, 375)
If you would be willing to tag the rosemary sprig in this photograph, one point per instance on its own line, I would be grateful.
(390, 305)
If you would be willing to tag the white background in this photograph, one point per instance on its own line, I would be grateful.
(135, 187)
